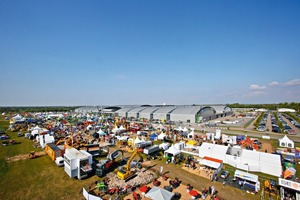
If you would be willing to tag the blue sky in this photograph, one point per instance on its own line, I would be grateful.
(149, 52)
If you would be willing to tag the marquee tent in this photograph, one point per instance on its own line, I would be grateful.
(213, 150)
(211, 162)
(122, 128)
(185, 129)
(159, 193)
(153, 136)
(243, 159)
(191, 135)
(191, 143)
(100, 132)
(172, 150)
(161, 136)
(286, 142)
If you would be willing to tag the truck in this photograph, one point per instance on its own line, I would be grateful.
(104, 166)
(95, 150)
(54, 151)
(142, 145)
(152, 149)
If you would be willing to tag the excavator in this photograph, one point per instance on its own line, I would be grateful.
(270, 186)
(124, 172)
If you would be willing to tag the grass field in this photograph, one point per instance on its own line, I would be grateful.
(37, 178)
(40, 178)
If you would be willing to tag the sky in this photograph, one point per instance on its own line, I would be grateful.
(74, 53)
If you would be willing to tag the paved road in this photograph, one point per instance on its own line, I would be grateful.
(239, 131)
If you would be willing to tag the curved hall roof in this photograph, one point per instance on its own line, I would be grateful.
(187, 110)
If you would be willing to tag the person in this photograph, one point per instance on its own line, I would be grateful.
(161, 170)
(224, 183)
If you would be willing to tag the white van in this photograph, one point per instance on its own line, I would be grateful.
(59, 161)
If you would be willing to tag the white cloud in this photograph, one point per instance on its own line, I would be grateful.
(255, 93)
(256, 87)
(293, 82)
(274, 83)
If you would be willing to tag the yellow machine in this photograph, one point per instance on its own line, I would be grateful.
(32, 155)
(270, 186)
(125, 173)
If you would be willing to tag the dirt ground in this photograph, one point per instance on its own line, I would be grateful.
(188, 176)
(24, 156)
(266, 146)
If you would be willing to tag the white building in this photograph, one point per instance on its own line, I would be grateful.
(78, 163)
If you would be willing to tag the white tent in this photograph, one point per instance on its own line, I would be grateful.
(115, 130)
(218, 134)
(172, 150)
(179, 128)
(191, 135)
(160, 126)
(122, 128)
(100, 132)
(161, 136)
(185, 129)
(213, 150)
(159, 193)
(89, 127)
(211, 162)
(286, 142)
(137, 140)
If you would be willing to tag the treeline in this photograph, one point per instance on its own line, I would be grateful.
(292, 105)
(38, 109)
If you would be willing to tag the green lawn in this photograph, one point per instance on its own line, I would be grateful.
(37, 178)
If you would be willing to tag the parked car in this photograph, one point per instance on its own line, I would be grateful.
(224, 174)
(261, 128)
(276, 129)
(20, 134)
(290, 132)
(3, 137)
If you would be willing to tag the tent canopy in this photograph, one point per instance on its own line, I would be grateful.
(211, 162)
(191, 142)
(159, 193)
(153, 136)
(172, 150)
(161, 136)
(286, 142)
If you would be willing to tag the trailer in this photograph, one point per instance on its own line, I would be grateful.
(152, 149)
(95, 150)
(78, 163)
(54, 151)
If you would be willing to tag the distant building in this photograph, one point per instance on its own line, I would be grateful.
(174, 113)
(285, 110)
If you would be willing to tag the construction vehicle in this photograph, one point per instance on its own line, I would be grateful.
(151, 150)
(32, 155)
(104, 166)
(270, 187)
(124, 172)
(54, 151)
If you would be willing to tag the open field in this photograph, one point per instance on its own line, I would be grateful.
(40, 178)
